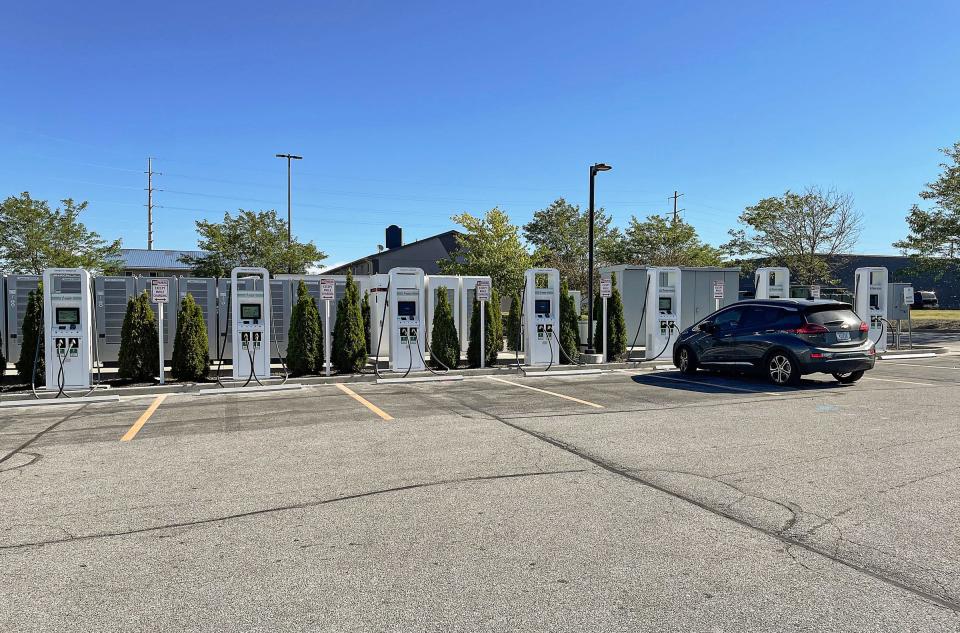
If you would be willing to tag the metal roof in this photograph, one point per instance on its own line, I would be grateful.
(141, 258)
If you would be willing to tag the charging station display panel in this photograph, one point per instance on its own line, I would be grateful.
(68, 316)
(251, 311)
(542, 306)
(666, 304)
(407, 309)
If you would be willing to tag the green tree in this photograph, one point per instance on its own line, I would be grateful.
(139, 340)
(305, 346)
(250, 238)
(32, 346)
(444, 340)
(513, 324)
(569, 327)
(934, 239)
(349, 344)
(365, 310)
(559, 235)
(616, 324)
(34, 237)
(802, 231)
(660, 242)
(489, 245)
(191, 347)
(493, 331)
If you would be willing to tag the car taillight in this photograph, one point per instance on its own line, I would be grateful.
(864, 327)
(873, 351)
(816, 355)
(810, 328)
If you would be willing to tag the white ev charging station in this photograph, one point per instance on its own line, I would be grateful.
(663, 311)
(406, 307)
(772, 283)
(541, 316)
(870, 294)
(69, 331)
(250, 318)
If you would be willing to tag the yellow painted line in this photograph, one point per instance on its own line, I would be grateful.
(906, 382)
(132, 433)
(552, 393)
(353, 394)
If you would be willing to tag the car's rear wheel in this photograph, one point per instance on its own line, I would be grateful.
(686, 360)
(849, 377)
(782, 369)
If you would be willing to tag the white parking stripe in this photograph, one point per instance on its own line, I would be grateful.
(906, 382)
(915, 365)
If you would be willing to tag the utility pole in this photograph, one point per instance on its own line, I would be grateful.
(150, 191)
(675, 197)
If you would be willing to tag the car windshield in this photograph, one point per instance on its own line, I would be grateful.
(831, 315)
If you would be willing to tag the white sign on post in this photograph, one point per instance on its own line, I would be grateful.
(483, 295)
(160, 290)
(328, 288)
(160, 294)
(814, 292)
(908, 295)
(606, 289)
(483, 290)
(718, 289)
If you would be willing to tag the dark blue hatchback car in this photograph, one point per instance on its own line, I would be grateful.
(783, 338)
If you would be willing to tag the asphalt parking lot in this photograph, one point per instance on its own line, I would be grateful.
(630, 500)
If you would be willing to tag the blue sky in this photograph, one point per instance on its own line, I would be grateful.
(411, 112)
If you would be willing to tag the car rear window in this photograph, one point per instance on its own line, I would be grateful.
(828, 315)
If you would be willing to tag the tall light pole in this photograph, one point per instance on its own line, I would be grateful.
(289, 157)
(596, 167)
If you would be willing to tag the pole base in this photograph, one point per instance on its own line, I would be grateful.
(591, 359)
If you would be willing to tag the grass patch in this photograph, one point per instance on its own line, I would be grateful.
(935, 319)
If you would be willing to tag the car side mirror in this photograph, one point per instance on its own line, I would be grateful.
(708, 327)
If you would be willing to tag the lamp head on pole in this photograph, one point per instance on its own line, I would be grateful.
(600, 167)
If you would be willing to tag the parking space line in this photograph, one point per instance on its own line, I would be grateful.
(915, 365)
(715, 386)
(551, 393)
(133, 430)
(906, 382)
(353, 394)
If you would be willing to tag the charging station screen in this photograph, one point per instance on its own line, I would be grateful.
(250, 311)
(542, 306)
(68, 316)
(407, 308)
(666, 304)
(875, 302)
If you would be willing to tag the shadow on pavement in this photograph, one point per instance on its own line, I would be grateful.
(709, 382)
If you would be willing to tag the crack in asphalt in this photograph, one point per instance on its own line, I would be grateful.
(781, 536)
(284, 508)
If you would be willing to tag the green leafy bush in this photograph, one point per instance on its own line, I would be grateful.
(444, 341)
(493, 332)
(513, 326)
(349, 343)
(139, 340)
(305, 347)
(191, 347)
(569, 327)
(32, 345)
